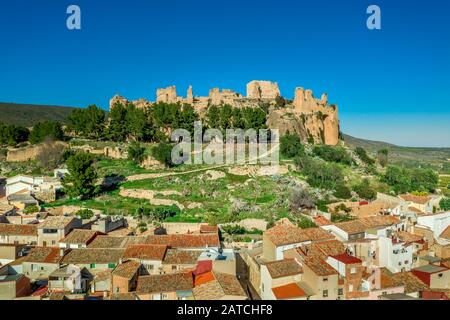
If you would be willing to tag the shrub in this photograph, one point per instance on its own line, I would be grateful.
(306, 223)
(136, 152)
(365, 191)
(301, 199)
(362, 154)
(31, 209)
(333, 154)
(444, 204)
(342, 191)
(320, 174)
(84, 214)
(163, 153)
(383, 157)
(291, 146)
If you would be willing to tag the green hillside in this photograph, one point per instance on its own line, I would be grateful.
(29, 114)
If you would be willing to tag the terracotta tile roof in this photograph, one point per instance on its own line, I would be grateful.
(17, 229)
(416, 210)
(409, 237)
(287, 234)
(185, 240)
(216, 286)
(58, 222)
(288, 291)
(322, 221)
(346, 258)
(124, 296)
(115, 242)
(411, 282)
(127, 269)
(388, 279)
(174, 256)
(145, 252)
(445, 234)
(165, 283)
(206, 228)
(283, 268)
(88, 256)
(351, 227)
(44, 255)
(319, 266)
(362, 224)
(79, 236)
(323, 249)
(415, 199)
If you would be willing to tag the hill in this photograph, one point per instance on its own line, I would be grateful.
(29, 114)
(409, 156)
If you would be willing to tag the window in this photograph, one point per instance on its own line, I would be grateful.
(325, 279)
(340, 291)
(353, 270)
(406, 261)
(33, 267)
(440, 275)
(400, 263)
(150, 267)
(53, 242)
(174, 268)
(350, 288)
(111, 265)
(325, 293)
(92, 266)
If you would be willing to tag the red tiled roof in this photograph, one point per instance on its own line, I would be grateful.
(185, 240)
(288, 234)
(319, 266)
(145, 252)
(288, 291)
(346, 258)
(322, 221)
(206, 228)
(17, 229)
(44, 255)
(203, 267)
(415, 199)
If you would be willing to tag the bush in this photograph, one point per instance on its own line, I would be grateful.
(84, 214)
(291, 146)
(31, 209)
(362, 154)
(320, 174)
(159, 213)
(444, 204)
(342, 192)
(365, 191)
(306, 223)
(136, 152)
(383, 157)
(301, 199)
(403, 180)
(333, 154)
(163, 153)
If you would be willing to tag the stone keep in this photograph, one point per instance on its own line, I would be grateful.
(167, 95)
(262, 90)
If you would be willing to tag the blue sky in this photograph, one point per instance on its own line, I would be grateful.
(390, 85)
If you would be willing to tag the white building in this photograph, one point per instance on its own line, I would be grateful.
(23, 183)
(395, 255)
(435, 222)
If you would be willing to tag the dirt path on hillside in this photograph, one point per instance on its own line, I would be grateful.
(146, 176)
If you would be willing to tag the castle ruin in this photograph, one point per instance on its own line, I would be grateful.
(315, 120)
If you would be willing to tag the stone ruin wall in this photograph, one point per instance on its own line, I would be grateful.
(313, 119)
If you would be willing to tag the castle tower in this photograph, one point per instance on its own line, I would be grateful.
(190, 95)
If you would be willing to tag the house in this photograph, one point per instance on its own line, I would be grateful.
(53, 229)
(69, 278)
(124, 277)
(78, 239)
(424, 204)
(11, 252)
(380, 282)
(436, 277)
(283, 237)
(175, 286)
(22, 200)
(395, 254)
(280, 280)
(149, 255)
(94, 260)
(101, 282)
(41, 262)
(18, 234)
(179, 260)
(414, 287)
(321, 278)
(186, 241)
(351, 270)
(109, 223)
(218, 286)
(437, 223)
(222, 260)
(42, 188)
(12, 284)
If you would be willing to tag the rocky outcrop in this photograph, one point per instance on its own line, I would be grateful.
(117, 99)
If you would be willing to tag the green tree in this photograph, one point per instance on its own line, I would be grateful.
(365, 190)
(320, 174)
(332, 154)
(80, 183)
(136, 152)
(117, 130)
(291, 146)
(383, 157)
(84, 214)
(163, 153)
(12, 135)
(46, 130)
(342, 191)
(444, 204)
(89, 122)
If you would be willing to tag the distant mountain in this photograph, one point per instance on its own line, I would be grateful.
(402, 154)
(29, 114)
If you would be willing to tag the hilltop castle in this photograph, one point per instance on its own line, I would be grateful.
(313, 119)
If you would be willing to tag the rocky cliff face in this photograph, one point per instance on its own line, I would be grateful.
(313, 119)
